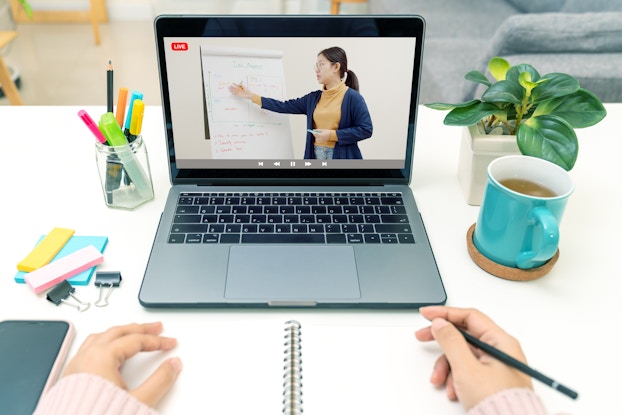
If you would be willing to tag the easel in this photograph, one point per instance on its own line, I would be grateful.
(95, 14)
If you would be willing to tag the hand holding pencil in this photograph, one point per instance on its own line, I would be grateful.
(470, 373)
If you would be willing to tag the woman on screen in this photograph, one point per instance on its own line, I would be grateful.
(337, 116)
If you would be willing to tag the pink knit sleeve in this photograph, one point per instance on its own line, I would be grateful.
(89, 394)
(517, 401)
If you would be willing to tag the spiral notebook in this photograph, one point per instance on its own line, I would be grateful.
(292, 369)
(328, 364)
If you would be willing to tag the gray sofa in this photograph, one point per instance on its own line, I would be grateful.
(580, 37)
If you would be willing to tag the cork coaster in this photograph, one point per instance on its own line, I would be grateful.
(501, 271)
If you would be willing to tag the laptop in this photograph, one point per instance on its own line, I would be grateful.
(255, 217)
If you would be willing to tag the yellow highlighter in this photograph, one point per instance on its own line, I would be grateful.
(138, 112)
(46, 250)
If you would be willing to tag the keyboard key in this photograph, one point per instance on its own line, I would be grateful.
(264, 228)
(335, 238)
(248, 228)
(185, 200)
(233, 238)
(406, 238)
(394, 218)
(372, 238)
(186, 209)
(390, 238)
(391, 201)
(316, 228)
(209, 219)
(229, 228)
(189, 228)
(283, 228)
(355, 238)
(176, 238)
(278, 238)
(187, 219)
(210, 238)
(216, 228)
(300, 229)
(194, 238)
(393, 228)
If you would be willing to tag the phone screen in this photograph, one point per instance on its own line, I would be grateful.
(31, 352)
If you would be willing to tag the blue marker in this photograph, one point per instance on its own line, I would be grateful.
(313, 131)
(135, 95)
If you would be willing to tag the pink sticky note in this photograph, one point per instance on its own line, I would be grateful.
(56, 271)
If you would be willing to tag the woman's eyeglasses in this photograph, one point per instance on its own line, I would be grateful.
(319, 65)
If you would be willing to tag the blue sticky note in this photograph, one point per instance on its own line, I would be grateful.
(74, 244)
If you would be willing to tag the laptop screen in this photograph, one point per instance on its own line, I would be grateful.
(251, 99)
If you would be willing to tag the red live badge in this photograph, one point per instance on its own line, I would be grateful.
(179, 46)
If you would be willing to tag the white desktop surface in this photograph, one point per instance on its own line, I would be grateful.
(358, 362)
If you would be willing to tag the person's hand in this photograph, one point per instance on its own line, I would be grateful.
(103, 354)
(239, 90)
(321, 136)
(469, 374)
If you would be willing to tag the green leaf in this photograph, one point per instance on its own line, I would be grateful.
(504, 91)
(524, 79)
(550, 138)
(515, 71)
(498, 68)
(556, 85)
(477, 76)
(444, 106)
(471, 114)
(580, 109)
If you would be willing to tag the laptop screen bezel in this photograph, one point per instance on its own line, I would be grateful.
(233, 26)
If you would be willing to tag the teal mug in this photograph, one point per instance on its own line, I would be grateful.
(522, 206)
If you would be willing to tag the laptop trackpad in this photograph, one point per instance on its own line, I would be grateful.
(291, 272)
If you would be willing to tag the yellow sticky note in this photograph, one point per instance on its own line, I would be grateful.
(46, 249)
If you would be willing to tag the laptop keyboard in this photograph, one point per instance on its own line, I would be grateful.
(323, 218)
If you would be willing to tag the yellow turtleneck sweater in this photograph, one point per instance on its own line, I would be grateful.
(327, 113)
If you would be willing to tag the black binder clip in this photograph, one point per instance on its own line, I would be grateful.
(61, 291)
(106, 279)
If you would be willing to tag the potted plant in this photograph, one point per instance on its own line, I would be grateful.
(530, 114)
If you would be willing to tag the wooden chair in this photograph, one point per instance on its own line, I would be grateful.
(95, 14)
(8, 86)
(335, 4)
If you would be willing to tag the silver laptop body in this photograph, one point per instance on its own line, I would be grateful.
(253, 219)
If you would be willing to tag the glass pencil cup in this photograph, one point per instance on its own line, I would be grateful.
(124, 174)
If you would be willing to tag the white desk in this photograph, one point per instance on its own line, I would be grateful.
(567, 321)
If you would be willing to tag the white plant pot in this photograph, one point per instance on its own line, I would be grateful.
(476, 152)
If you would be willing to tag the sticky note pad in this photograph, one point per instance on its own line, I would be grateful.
(75, 243)
(56, 271)
(46, 249)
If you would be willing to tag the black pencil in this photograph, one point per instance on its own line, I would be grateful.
(518, 365)
(109, 85)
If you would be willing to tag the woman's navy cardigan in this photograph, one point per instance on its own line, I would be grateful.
(355, 123)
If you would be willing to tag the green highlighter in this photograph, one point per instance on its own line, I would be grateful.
(111, 130)
(115, 137)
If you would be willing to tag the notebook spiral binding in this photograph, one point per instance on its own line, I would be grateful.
(292, 376)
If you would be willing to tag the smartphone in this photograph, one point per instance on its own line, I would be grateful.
(32, 354)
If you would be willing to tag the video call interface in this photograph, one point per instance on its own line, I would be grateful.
(214, 128)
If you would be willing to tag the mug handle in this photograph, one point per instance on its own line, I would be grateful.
(550, 239)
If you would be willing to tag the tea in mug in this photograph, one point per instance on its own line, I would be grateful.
(527, 187)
